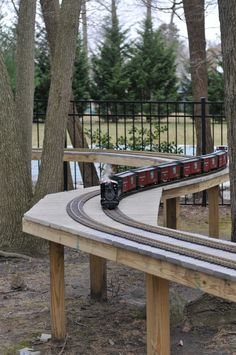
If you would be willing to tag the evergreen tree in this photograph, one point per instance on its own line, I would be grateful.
(152, 68)
(42, 68)
(81, 80)
(110, 79)
(216, 83)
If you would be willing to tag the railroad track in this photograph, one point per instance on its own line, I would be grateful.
(75, 209)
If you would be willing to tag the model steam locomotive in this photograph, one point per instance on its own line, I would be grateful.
(118, 185)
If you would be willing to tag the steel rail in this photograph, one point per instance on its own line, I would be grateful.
(120, 217)
(75, 209)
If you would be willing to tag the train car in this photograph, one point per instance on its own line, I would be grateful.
(122, 183)
(222, 158)
(189, 167)
(109, 194)
(222, 147)
(168, 171)
(209, 162)
(126, 181)
(146, 176)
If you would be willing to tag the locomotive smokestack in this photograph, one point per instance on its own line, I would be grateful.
(107, 173)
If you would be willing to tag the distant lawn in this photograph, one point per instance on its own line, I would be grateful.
(179, 132)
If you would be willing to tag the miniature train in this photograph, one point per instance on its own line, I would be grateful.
(119, 185)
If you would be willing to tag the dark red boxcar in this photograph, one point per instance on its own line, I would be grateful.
(190, 167)
(222, 158)
(146, 176)
(222, 147)
(168, 171)
(209, 162)
(126, 180)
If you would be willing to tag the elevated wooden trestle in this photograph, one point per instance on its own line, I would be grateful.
(48, 219)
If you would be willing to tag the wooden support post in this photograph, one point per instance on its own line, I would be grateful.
(213, 195)
(158, 316)
(57, 290)
(98, 278)
(171, 212)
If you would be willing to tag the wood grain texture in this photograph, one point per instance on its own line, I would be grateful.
(98, 278)
(213, 196)
(158, 316)
(171, 212)
(57, 290)
(149, 264)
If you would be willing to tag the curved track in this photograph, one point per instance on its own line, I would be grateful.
(75, 209)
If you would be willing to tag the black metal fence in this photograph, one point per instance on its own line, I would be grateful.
(156, 126)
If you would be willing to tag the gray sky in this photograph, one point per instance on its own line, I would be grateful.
(131, 14)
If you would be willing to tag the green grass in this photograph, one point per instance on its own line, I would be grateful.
(177, 132)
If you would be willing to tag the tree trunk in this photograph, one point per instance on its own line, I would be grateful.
(16, 136)
(14, 182)
(50, 177)
(85, 28)
(195, 20)
(210, 311)
(25, 76)
(88, 172)
(227, 14)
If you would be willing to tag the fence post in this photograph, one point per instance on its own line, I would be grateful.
(203, 124)
(203, 129)
(65, 169)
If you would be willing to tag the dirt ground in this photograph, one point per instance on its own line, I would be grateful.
(117, 326)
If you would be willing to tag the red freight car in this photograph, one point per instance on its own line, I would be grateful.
(222, 147)
(146, 176)
(222, 158)
(126, 181)
(190, 167)
(209, 162)
(168, 171)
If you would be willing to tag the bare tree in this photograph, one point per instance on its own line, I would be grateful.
(85, 28)
(227, 15)
(50, 177)
(16, 129)
(15, 178)
(50, 11)
(195, 20)
(25, 75)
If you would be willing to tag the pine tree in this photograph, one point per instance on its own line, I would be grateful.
(81, 81)
(152, 67)
(42, 69)
(109, 76)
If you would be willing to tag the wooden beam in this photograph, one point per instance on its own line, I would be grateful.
(171, 212)
(213, 195)
(214, 285)
(133, 158)
(158, 316)
(204, 182)
(56, 252)
(98, 278)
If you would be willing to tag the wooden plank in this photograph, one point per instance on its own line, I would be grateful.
(158, 316)
(171, 212)
(207, 283)
(98, 278)
(213, 194)
(57, 290)
(179, 274)
(198, 184)
(111, 157)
